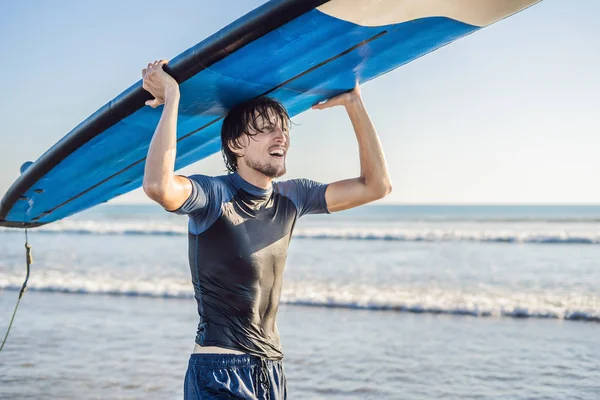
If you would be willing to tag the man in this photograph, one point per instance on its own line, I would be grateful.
(240, 225)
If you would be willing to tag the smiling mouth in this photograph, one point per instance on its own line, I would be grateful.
(277, 153)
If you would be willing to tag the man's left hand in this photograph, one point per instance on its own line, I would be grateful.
(343, 99)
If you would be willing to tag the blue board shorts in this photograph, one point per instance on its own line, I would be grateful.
(234, 376)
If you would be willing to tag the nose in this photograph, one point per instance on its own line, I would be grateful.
(281, 135)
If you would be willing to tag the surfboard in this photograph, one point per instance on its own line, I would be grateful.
(300, 52)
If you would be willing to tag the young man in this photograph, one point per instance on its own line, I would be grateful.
(240, 226)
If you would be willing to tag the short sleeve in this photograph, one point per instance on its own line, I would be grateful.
(205, 192)
(307, 195)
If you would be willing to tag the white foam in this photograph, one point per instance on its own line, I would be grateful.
(488, 303)
(484, 302)
(413, 234)
(90, 227)
(445, 235)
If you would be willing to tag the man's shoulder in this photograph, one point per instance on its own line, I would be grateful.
(216, 179)
(296, 187)
(285, 185)
(307, 195)
(294, 183)
(219, 183)
(291, 181)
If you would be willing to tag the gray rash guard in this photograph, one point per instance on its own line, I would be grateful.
(238, 240)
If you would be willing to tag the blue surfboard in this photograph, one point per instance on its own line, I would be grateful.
(300, 52)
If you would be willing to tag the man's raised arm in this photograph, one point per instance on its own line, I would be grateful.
(160, 182)
(374, 181)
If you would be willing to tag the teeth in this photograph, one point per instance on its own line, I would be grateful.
(276, 152)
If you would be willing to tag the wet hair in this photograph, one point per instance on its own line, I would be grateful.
(244, 116)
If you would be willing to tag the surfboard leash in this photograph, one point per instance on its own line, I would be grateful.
(29, 261)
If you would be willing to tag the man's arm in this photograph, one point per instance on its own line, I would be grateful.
(374, 182)
(160, 182)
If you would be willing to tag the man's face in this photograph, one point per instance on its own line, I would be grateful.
(265, 151)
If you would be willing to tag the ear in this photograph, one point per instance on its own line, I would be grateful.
(238, 152)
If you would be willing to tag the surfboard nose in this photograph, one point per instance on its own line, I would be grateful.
(386, 12)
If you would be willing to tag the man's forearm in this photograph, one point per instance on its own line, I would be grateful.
(373, 167)
(160, 161)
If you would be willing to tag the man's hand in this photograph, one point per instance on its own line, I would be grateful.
(160, 84)
(343, 99)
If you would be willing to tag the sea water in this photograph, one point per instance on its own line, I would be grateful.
(416, 302)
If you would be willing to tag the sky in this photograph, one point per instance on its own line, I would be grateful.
(508, 115)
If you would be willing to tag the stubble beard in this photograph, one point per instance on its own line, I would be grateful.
(267, 169)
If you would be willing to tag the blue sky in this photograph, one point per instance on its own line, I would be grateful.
(508, 115)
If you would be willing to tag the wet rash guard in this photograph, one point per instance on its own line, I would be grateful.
(238, 240)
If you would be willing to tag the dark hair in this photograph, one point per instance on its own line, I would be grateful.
(243, 116)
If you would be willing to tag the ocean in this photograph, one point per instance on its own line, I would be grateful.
(379, 302)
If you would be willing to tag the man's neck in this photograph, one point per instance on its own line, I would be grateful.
(255, 178)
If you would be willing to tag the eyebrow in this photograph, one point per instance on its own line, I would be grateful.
(268, 123)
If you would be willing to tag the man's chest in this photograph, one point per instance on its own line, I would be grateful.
(254, 227)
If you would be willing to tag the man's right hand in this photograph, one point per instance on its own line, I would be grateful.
(160, 84)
